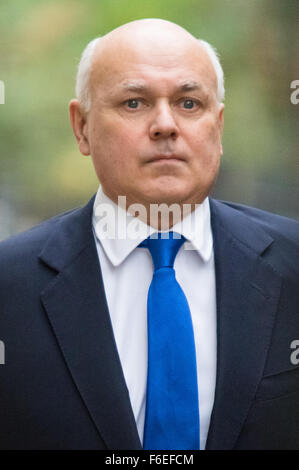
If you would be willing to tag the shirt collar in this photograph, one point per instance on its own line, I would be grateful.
(119, 232)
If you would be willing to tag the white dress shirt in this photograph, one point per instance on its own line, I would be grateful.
(127, 273)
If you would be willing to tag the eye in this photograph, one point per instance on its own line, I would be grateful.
(132, 103)
(189, 104)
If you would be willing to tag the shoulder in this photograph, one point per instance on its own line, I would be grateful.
(20, 254)
(62, 233)
(275, 225)
(30, 259)
(250, 225)
(30, 241)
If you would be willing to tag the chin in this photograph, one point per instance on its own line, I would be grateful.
(167, 195)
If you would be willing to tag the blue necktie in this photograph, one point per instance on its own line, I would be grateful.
(172, 412)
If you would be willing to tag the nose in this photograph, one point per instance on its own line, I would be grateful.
(163, 124)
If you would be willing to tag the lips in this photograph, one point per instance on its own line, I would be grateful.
(165, 157)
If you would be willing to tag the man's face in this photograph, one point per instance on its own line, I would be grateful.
(154, 127)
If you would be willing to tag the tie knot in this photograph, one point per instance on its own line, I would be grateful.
(163, 248)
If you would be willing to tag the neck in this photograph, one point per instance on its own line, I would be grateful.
(160, 215)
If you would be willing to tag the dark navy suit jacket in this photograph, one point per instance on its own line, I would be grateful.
(62, 385)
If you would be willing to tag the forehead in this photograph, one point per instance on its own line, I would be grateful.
(152, 65)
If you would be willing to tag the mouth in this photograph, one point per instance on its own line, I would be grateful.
(166, 158)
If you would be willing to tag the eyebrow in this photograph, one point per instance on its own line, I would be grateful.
(139, 86)
(190, 85)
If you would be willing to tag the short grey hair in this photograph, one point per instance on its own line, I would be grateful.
(84, 66)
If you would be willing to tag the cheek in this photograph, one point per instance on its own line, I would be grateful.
(115, 155)
(204, 139)
(114, 138)
(127, 142)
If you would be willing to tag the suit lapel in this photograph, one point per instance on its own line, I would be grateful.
(76, 307)
(247, 296)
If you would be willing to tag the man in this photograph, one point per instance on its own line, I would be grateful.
(85, 365)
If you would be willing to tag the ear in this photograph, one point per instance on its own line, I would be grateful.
(78, 119)
(221, 123)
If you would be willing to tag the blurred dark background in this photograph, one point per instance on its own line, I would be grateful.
(42, 172)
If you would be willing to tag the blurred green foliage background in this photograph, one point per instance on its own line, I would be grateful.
(41, 170)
